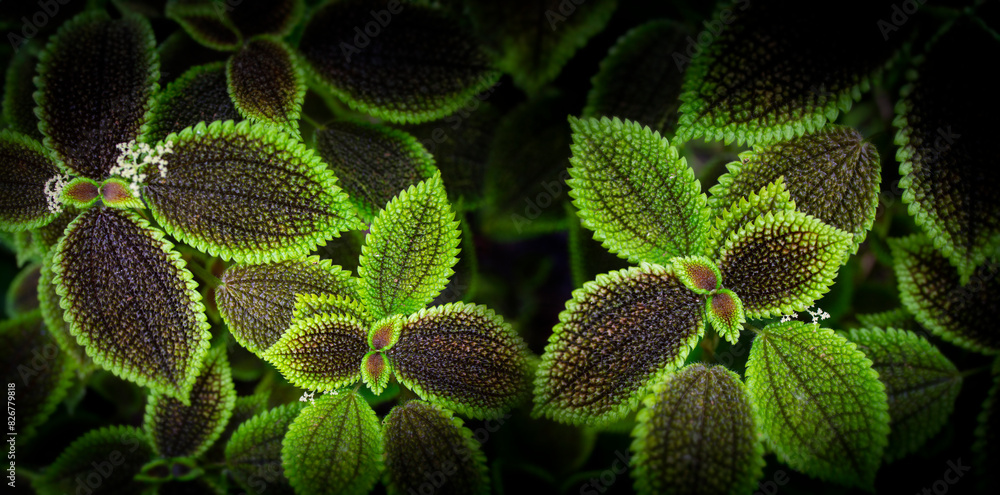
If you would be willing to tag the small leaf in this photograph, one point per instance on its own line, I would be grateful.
(130, 301)
(920, 382)
(321, 353)
(199, 95)
(22, 293)
(334, 447)
(52, 312)
(463, 357)
(385, 333)
(618, 335)
(782, 262)
(634, 86)
(81, 193)
(635, 191)
(409, 251)
(205, 22)
(930, 289)
(266, 84)
(96, 81)
(310, 305)
(248, 193)
(179, 430)
(409, 64)
(253, 454)
(946, 150)
(697, 273)
(899, 318)
(124, 448)
(19, 86)
(376, 370)
(253, 17)
(697, 435)
(374, 163)
(724, 311)
(27, 175)
(773, 197)
(257, 301)
(117, 193)
(831, 174)
(424, 442)
(818, 403)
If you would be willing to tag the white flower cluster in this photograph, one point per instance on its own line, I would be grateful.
(135, 157)
(53, 192)
(307, 396)
(817, 316)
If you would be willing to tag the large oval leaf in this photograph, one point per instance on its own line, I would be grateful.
(334, 446)
(818, 402)
(247, 192)
(265, 83)
(773, 197)
(618, 335)
(95, 86)
(464, 357)
(257, 301)
(198, 95)
(206, 22)
(28, 173)
(425, 443)
(120, 451)
(253, 454)
(697, 435)
(130, 301)
(52, 312)
(403, 63)
(322, 352)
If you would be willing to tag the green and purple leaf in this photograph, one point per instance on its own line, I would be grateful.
(198, 95)
(253, 454)
(772, 198)
(277, 17)
(52, 312)
(321, 353)
(206, 22)
(125, 448)
(724, 310)
(27, 173)
(19, 88)
(266, 84)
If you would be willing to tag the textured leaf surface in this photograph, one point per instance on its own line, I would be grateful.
(947, 151)
(419, 66)
(818, 403)
(618, 335)
(18, 90)
(178, 430)
(930, 289)
(782, 262)
(773, 72)
(636, 86)
(373, 163)
(253, 454)
(321, 353)
(635, 192)
(248, 193)
(899, 318)
(697, 273)
(203, 21)
(334, 446)
(52, 312)
(199, 95)
(463, 357)
(310, 305)
(130, 301)
(420, 438)
(244, 409)
(534, 40)
(697, 435)
(25, 171)
(920, 382)
(265, 83)
(125, 444)
(409, 251)
(45, 238)
(831, 174)
(724, 310)
(730, 218)
(95, 87)
(257, 301)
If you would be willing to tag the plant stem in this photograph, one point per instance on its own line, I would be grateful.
(203, 273)
(311, 121)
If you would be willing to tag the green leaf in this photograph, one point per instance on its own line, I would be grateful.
(206, 23)
(463, 357)
(920, 382)
(310, 305)
(409, 64)
(831, 174)
(633, 85)
(35, 369)
(22, 293)
(96, 81)
(425, 443)
(782, 262)
(619, 334)
(376, 370)
(635, 191)
(373, 162)
(899, 318)
(321, 353)
(946, 149)
(818, 403)
(334, 447)
(52, 312)
(266, 84)
(244, 409)
(179, 430)
(120, 451)
(277, 17)
(534, 40)
(773, 197)
(29, 181)
(257, 301)
(697, 435)
(247, 192)
(697, 273)
(19, 86)
(130, 301)
(80, 193)
(409, 251)
(769, 75)
(253, 454)
(199, 95)
(724, 310)
(930, 289)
